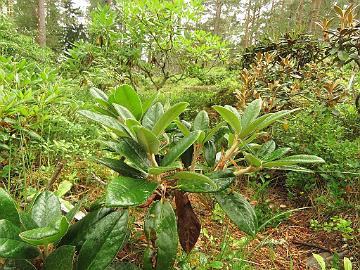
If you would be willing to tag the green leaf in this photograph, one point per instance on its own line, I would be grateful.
(170, 115)
(60, 259)
(210, 153)
(123, 266)
(252, 160)
(160, 170)
(178, 149)
(98, 94)
(266, 149)
(134, 153)
(320, 260)
(63, 188)
(121, 167)
(126, 96)
(108, 121)
(11, 246)
(278, 153)
(161, 232)
(18, 265)
(46, 209)
(223, 179)
(230, 117)
(81, 230)
(251, 112)
(123, 112)
(201, 121)
(292, 160)
(147, 139)
(347, 264)
(99, 250)
(46, 235)
(194, 182)
(73, 211)
(239, 211)
(126, 191)
(152, 115)
(182, 127)
(214, 131)
(8, 208)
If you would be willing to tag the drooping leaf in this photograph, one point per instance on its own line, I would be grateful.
(11, 246)
(251, 112)
(170, 115)
(178, 149)
(147, 139)
(210, 153)
(152, 115)
(99, 250)
(230, 117)
(126, 96)
(60, 259)
(292, 160)
(194, 182)
(201, 121)
(121, 167)
(8, 209)
(46, 235)
(239, 210)
(108, 121)
(46, 209)
(188, 224)
(125, 191)
(79, 232)
(161, 232)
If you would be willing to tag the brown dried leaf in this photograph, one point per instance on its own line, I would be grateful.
(188, 224)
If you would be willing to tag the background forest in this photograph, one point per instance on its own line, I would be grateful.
(226, 98)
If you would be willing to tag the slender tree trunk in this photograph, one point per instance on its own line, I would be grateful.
(41, 23)
(314, 13)
(245, 40)
(217, 20)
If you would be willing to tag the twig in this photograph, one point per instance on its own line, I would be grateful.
(56, 174)
(98, 179)
(311, 246)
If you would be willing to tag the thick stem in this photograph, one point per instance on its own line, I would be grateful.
(197, 149)
(247, 170)
(228, 155)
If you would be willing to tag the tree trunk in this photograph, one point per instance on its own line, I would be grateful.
(245, 39)
(217, 20)
(41, 23)
(314, 13)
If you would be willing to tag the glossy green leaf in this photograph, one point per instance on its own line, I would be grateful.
(266, 149)
(178, 149)
(160, 170)
(121, 167)
(239, 211)
(123, 112)
(278, 153)
(194, 182)
(98, 94)
(11, 246)
(223, 179)
(170, 115)
(8, 209)
(126, 191)
(152, 115)
(252, 160)
(81, 230)
(292, 160)
(134, 153)
(46, 209)
(126, 96)
(60, 259)
(147, 139)
(18, 265)
(46, 235)
(107, 121)
(251, 112)
(230, 117)
(161, 232)
(201, 121)
(183, 128)
(210, 153)
(99, 250)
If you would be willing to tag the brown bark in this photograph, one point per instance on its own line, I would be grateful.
(314, 14)
(41, 23)
(217, 20)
